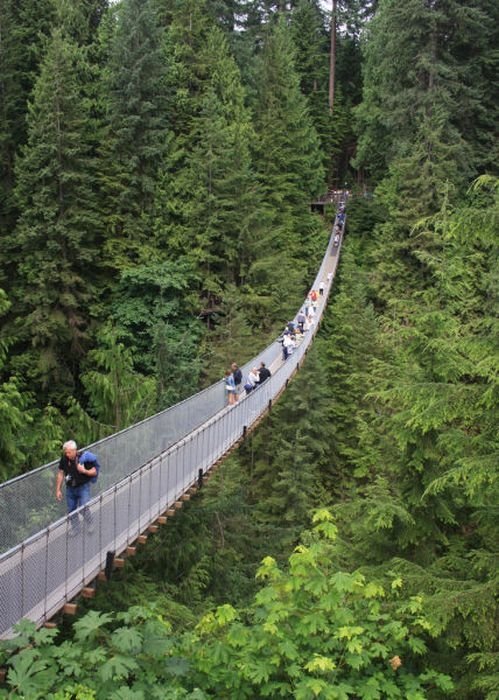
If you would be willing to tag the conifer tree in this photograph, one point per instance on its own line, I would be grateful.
(289, 457)
(118, 395)
(312, 57)
(288, 162)
(136, 138)
(351, 326)
(426, 506)
(420, 97)
(22, 28)
(208, 202)
(55, 242)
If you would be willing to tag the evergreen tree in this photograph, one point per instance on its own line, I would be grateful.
(430, 481)
(118, 395)
(209, 190)
(292, 445)
(55, 242)
(312, 59)
(23, 26)
(81, 20)
(288, 162)
(412, 118)
(352, 327)
(135, 143)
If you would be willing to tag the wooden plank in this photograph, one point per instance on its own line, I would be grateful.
(153, 528)
(70, 609)
(178, 505)
(119, 562)
(170, 512)
(101, 576)
(142, 539)
(185, 497)
(88, 592)
(131, 551)
(50, 625)
(162, 519)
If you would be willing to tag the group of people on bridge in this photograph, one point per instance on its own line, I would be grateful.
(234, 381)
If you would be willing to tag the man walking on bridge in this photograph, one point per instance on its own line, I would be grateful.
(78, 473)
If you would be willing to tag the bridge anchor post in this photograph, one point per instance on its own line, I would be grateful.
(108, 569)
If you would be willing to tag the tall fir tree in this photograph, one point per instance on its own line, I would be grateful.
(209, 193)
(23, 27)
(137, 132)
(56, 240)
(425, 506)
(421, 109)
(209, 209)
(289, 166)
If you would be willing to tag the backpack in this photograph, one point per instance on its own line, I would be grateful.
(238, 376)
(89, 457)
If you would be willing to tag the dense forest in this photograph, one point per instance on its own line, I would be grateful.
(159, 158)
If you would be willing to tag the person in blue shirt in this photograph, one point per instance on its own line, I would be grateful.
(230, 387)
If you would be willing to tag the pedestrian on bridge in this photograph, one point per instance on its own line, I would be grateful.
(263, 373)
(77, 472)
(251, 381)
(300, 319)
(230, 387)
(238, 377)
(288, 345)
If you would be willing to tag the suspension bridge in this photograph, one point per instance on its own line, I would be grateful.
(148, 471)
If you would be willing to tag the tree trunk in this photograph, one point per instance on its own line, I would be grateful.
(332, 56)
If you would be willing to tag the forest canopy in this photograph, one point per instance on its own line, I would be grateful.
(159, 159)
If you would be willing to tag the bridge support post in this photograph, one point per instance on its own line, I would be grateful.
(200, 478)
(270, 405)
(108, 569)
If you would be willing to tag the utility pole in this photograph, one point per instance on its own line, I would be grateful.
(332, 57)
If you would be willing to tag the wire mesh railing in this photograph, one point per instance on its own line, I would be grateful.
(145, 469)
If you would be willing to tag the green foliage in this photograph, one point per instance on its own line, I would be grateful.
(148, 194)
(423, 437)
(288, 456)
(331, 634)
(209, 201)
(423, 95)
(24, 28)
(311, 38)
(150, 298)
(117, 394)
(111, 656)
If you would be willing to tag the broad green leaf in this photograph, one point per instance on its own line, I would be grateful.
(126, 640)
(117, 668)
(322, 664)
(90, 625)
